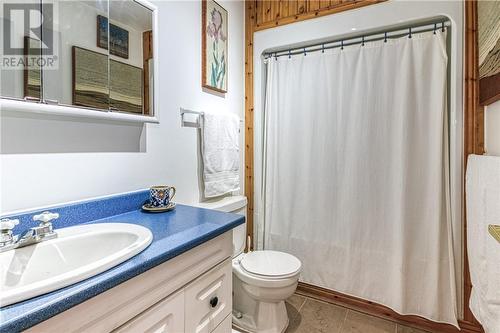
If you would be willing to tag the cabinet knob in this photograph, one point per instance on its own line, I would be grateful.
(214, 301)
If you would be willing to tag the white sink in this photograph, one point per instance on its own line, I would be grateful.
(77, 253)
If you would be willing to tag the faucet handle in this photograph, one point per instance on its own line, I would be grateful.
(45, 217)
(6, 238)
(6, 224)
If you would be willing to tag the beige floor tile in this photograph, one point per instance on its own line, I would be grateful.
(317, 317)
(296, 301)
(404, 329)
(357, 322)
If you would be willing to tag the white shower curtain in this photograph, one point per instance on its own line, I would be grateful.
(356, 172)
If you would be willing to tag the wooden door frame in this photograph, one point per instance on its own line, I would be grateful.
(473, 131)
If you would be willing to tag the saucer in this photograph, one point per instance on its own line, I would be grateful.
(147, 207)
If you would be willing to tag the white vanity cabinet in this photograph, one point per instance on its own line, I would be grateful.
(190, 293)
(164, 317)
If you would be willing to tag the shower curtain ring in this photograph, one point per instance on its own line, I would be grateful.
(322, 48)
(289, 54)
(409, 34)
(363, 41)
(385, 37)
(305, 53)
(442, 26)
(341, 44)
(275, 55)
(435, 27)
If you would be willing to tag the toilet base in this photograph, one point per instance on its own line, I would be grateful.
(266, 318)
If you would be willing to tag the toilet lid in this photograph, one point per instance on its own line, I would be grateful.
(270, 263)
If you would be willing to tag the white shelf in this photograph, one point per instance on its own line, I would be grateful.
(14, 106)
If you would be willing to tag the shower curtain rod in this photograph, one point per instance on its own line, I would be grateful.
(361, 39)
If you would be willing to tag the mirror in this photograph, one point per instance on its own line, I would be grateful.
(130, 48)
(20, 73)
(103, 52)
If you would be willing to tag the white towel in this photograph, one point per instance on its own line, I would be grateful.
(483, 208)
(221, 153)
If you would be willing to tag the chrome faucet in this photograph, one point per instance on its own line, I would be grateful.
(43, 232)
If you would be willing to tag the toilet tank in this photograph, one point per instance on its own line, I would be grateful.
(232, 204)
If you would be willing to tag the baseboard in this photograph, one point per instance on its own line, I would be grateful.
(382, 311)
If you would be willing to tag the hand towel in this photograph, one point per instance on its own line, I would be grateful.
(220, 153)
(483, 209)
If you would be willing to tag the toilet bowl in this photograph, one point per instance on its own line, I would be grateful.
(262, 280)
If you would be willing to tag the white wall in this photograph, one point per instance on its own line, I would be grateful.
(373, 18)
(170, 152)
(492, 129)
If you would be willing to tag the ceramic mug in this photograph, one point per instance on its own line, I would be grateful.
(160, 196)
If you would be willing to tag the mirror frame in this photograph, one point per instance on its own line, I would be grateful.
(11, 106)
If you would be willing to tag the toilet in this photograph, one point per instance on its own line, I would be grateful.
(262, 280)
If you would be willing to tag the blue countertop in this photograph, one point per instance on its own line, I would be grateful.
(174, 232)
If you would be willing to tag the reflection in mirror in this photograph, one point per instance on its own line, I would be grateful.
(81, 77)
(104, 52)
(32, 72)
(20, 69)
(131, 57)
(90, 78)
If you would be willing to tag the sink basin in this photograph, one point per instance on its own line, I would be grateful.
(77, 253)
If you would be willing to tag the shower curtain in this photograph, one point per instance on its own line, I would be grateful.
(356, 172)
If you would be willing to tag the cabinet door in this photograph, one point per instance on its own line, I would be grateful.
(208, 299)
(166, 316)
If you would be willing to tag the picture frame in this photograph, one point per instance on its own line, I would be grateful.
(118, 37)
(90, 82)
(214, 57)
(120, 90)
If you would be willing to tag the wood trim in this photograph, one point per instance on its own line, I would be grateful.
(250, 21)
(489, 89)
(473, 133)
(147, 53)
(381, 311)
(309, 10)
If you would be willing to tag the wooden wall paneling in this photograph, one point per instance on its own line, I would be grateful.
(293, 8)
(313, 5)
(250, 22)
(473, 130)
(301, 6)
(324, 4)
(284, 5)
(303, 10)
(266, 10)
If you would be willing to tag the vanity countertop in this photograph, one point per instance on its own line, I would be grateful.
(174, 232)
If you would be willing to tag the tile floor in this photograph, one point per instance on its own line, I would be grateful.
(312, 316)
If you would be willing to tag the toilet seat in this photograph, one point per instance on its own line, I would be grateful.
(270, 264)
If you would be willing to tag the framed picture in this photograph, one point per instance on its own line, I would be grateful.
(125, 87)
(214, 46)
(90, 79)
(118, 37)
(121, 90)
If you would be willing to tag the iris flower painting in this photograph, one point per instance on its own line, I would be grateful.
(214, 46)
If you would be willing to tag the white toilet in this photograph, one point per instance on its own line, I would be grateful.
(262, 280)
